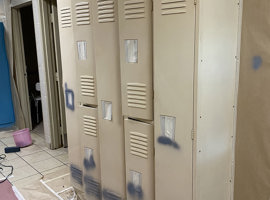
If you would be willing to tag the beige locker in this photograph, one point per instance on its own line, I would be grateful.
(88, 122)
(174, 34)
(139, 145)
(84, 48)
(109, 99)
(69, 83)
(135, 35)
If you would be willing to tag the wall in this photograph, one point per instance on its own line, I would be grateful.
(252, 174)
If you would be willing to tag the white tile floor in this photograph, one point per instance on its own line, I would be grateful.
(33, 162)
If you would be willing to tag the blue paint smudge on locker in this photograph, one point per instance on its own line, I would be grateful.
(6, 105)
(89, 164)
(76, 174)
(257, 62)
(108, 195)
(167, 141)
(135, 191)
(92, 187)
(69, 98)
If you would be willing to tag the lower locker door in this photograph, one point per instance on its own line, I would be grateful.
(139, 148)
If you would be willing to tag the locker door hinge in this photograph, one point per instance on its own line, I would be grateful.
(193, 132)
(51, 18)
(195, 2)
(56, 76)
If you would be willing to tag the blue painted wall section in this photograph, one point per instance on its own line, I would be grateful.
(6, 105)
(257, 62)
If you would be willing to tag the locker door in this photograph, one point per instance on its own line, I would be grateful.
(109, 99)
(135, 32)
(69, 83)
(84, 48)
(90, 150)
(174, 27)
(139, 144)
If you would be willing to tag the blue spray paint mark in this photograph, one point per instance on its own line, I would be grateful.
(76, 174)
(167, 141)
(108, 195)
(135, 191)
(92, 187)
(69, 98)
(257, 62)
(89, 164)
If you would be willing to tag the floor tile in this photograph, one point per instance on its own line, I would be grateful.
(58, 170)
(9, 156)
(27, 180)
(46, 164)
(22, 172)
(9, 141)
(59, 183)
(37, 157)
(63, 158)
(56, 152)
(16, 163)
(29, 150)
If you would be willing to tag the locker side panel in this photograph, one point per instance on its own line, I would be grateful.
(174, 32)
(69, 83)
(88, 122)
(139, 144)
(84, 51)
(216, 98)
(135, 32)
(109, 99)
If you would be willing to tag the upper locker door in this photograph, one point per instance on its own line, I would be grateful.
(85, 62)
(174, 31)
(135, 35)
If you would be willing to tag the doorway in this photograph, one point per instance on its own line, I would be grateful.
(32, 73)
(38, 69)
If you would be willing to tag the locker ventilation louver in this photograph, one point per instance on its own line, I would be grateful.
(65, 17)
(90, 125)
(87, 86)
(82, 13)
(134, 9)
(139, 144)
(170, 7)
(105, 11)
(136, 95)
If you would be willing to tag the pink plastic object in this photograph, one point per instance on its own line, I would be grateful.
(22, 138)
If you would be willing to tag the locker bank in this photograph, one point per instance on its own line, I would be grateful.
(150, 99)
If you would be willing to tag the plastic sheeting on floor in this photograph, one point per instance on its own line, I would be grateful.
(6, 105)
(252, 175)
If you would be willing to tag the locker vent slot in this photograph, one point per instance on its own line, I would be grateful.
(65, 17)
(136, 95)
(139, 144)
(87, 86)
(134, 9)
(170, 7)
(90, 125)
(105, 11)
(82, 13)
